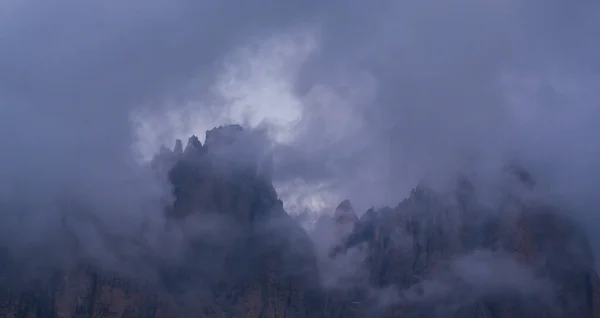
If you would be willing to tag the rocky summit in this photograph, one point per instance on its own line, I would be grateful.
(242, 255)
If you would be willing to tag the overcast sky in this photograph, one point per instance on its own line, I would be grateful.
(363, 98)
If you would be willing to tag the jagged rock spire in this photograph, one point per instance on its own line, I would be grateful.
(222, 135)
(344, 213)
(194, 146)
(178, 150)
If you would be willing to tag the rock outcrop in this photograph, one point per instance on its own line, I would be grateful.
(519, 259)
(242, 255)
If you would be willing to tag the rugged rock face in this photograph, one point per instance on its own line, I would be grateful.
(244, 256)
(255, 261)
(465, 260)
(342, 277)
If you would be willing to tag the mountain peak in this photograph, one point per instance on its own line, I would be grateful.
(194, 146)
(178, 149)
(344, 213)
(223, 135)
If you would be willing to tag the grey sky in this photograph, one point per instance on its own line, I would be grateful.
(381, 93)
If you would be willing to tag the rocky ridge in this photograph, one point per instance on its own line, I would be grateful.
(460, 260)
(244, 256)
(430, 256)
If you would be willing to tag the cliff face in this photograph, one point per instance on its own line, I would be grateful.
(244, 256)
(467, 260)
(255, 261)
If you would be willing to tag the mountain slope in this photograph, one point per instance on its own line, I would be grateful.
(242, 255)
(464, 260)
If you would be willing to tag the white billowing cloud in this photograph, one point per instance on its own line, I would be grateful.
(254, 86)
(257, 82)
